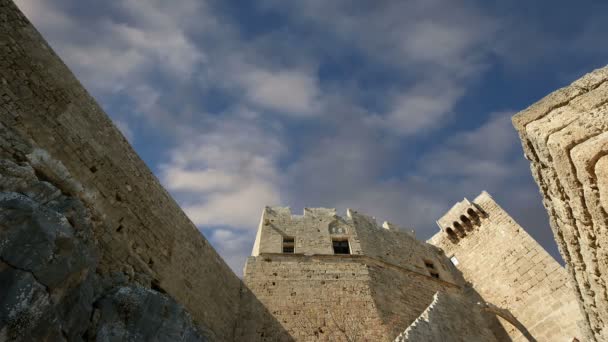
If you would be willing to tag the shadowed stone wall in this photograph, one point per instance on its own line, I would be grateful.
(450, 317)
(565, 138)
(138, 229)
(509, 269)
(374, 294)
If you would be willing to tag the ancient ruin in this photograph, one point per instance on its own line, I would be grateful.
(565, 137)
(326, 277)
(92, 248)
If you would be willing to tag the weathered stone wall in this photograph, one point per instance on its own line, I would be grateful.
(401, 296)
(565, 137)
(509, 269)
(372, 294)
(450, 317)
(313, 232)
(400, 247)
(316, 298)
(49, 286)
(139, 230)
(340, 297)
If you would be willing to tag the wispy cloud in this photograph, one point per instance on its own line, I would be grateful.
(359, 104)
(226, 175)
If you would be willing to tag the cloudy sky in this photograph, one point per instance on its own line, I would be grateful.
(396, 108)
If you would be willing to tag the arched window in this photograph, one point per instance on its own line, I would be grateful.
(473, 214)
(451, 235)
(459, 229)
(468, 225)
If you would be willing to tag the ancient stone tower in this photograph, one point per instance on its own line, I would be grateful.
(326, 277)
(508, 268)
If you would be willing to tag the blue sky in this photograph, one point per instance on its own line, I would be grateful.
(396, 108)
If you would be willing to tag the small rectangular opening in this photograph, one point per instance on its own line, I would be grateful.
(289, 245)
(430, 266)
(454, 261)
(341, 246)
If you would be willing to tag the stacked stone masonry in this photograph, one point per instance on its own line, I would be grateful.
(565, 138)
(386, 282)
(508, 268)
(449, 318)
(100, 251)
(139, 229)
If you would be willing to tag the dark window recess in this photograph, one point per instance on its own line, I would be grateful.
(430, 266)
(341, 247)
(289, 245)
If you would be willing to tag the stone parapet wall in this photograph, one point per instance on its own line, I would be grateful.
(509, 269)
(565, 138)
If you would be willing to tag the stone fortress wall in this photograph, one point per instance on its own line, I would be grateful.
(377, 291)
(139, 230)
(509, 269)
(107, 235)
(565, 138)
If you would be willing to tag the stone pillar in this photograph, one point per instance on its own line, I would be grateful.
(565, 137)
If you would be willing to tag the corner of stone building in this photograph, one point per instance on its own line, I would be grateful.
(564, 138)
(258, 236)
(509, 269)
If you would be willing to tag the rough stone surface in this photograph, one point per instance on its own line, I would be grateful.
(373, 294)
(47, 260)
(139, 314)
(49, 286)
(450, 317)
(509, 269)
(55, 131)
(565, 138)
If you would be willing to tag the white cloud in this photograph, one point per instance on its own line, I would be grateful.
(440, 47)
(486, 157)
(227, 175)
(287, 91)
(425, 106)
(110, 56)
(235, 246)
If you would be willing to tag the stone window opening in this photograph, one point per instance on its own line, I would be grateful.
(454, 260)
(430, 266)
(459, 229)
(474, 216)
(289, 245)
(467, 223)
(451, 233)
(340, 246)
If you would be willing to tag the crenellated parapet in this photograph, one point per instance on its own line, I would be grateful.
(462, 218)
